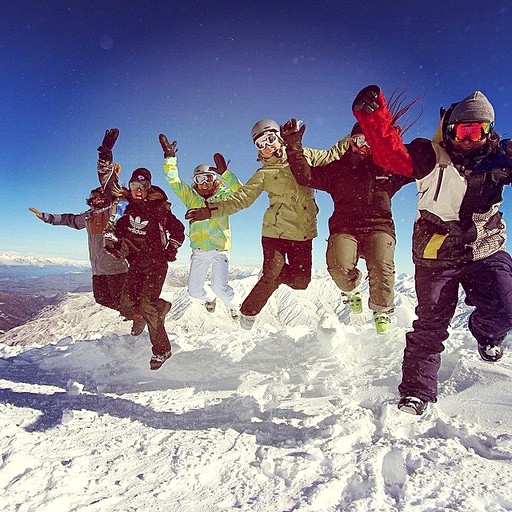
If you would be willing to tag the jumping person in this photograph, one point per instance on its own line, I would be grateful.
(210, 239)
(459, 233)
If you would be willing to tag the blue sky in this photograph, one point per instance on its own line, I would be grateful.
(204, 72)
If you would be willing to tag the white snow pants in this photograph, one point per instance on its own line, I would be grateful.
(200, 262)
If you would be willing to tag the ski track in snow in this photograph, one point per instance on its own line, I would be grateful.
(298, 414)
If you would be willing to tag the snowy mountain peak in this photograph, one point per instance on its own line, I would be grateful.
(18, 260)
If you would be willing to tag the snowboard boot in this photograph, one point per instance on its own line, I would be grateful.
(412, 405)
(138, 325)
(246, 322)
(157, 360)
(234, 313)
(164, 307)
(491, 353)
(210, 305)
(354, 302)
(381, 321)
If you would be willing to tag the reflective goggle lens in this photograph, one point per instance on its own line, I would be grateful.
(360, 141)
(200, 179)
(472, 131)
(136, 185)
(267, 139)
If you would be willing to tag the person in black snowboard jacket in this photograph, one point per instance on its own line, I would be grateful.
(147, 235)
(459, 233)
(361, 224)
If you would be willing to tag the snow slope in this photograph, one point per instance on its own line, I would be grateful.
(298, 414)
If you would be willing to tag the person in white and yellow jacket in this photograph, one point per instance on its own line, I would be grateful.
(210, 239)
(289, 224)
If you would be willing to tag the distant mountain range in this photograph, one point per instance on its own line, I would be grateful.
(30, 283)
(17, 260)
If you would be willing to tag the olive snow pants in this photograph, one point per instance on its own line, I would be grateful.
(378, 250)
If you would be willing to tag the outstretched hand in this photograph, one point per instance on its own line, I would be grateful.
(292, 126)
(501, 175)
(197, 214)
(36, 211)
(366, 99)
(169, 148)
(292, 132)
(220, 163)
(109, 139)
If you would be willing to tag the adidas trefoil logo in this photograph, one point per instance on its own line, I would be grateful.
(138, 225)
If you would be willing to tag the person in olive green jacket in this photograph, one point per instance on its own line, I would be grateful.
(289, 224)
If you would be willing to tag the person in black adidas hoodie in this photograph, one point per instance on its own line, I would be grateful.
(148, 235)
(459, 233)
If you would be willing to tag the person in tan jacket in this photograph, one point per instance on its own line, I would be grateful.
(289, 223)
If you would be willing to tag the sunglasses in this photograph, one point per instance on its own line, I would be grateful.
(97, 201)
(140, 185)
(360, 141)
(267, 139)
(472, 131)
(206, 177)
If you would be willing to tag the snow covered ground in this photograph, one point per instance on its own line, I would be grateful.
(298, 414)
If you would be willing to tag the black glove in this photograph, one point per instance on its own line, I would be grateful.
(168, 147)
(171, 249)
(195, 214)
(105, 150)
(501, 176)
(292, 134)
(118, 249)
(508, 149)
(220, 163)
(170, 253)
(367, 99)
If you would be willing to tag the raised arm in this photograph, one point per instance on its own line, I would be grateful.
(180, 188)
(291, 133)
(388, 150)
(108, 171)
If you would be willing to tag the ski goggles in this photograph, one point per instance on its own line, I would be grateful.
(360, 141)
(205, 177)
(267, 139)
(472, 131)
(140, 185)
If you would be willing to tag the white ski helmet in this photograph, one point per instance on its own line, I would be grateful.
(265, 125)
(202, 169)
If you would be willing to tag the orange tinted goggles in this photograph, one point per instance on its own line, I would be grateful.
(472, 131)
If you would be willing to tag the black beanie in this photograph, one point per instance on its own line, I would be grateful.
(141, 174)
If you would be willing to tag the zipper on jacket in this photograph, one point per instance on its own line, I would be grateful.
(439, 181)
